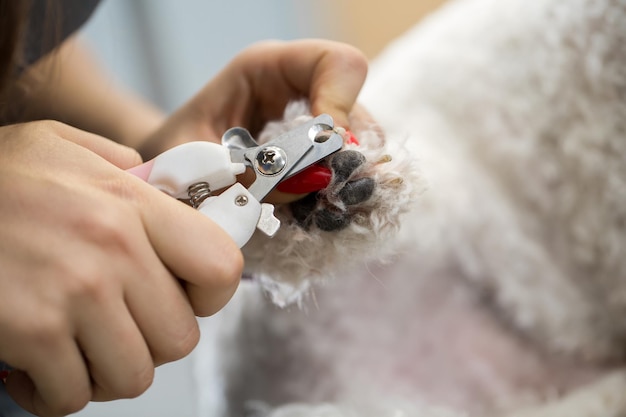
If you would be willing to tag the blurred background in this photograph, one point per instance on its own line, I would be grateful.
(167, 50)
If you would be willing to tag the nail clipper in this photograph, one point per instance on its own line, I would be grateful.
(194, 171)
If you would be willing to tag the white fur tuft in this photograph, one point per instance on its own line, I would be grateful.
(286, 263)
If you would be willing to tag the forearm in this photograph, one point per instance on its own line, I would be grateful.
(71, 87)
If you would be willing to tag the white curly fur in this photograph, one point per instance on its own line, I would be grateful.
(398, 409)
(287, 263)
(536, 110)
(507, 292)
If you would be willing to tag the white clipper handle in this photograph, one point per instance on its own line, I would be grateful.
(236, 211)
(176, 169)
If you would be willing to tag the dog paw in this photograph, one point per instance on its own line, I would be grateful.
(331, 209)
(354, 219)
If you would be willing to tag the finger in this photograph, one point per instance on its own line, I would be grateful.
(161, 309)
(55, 381)
(119, 361)
(167, 321)
(146, 306)
(117, 154)
(194, 248)
(331, 73)
(362, 120)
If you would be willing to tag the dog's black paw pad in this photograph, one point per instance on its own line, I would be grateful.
(304, 210)
(332, 209)
(330, 220)
(344, 163)
(357, 191)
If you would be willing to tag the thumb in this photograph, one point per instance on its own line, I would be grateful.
(337, 81)
(117, 154)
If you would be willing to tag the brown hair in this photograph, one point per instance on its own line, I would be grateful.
(13, 16)
(19, 48)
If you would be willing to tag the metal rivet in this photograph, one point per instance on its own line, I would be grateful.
(241, 200)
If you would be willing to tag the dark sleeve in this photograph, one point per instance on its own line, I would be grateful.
(50, 23)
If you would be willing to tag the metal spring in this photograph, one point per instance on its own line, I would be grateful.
(198, 192)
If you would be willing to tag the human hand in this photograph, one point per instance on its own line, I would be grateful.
(257, 85)
(89, 297)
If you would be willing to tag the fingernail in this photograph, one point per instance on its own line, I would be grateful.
(314, 178)
(351, 140)
(142, 171)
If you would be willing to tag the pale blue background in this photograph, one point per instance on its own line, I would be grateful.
(168, 49)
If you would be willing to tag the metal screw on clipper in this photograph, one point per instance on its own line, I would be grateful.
(271, 160)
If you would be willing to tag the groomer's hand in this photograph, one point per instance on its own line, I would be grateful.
(101, 275)
(257, 85)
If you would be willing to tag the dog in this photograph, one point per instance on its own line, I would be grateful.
(491, 281)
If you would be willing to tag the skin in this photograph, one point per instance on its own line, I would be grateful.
(257, 85)
(91, 297)
(94, 292)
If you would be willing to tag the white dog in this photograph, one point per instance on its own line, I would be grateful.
(506, 292)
